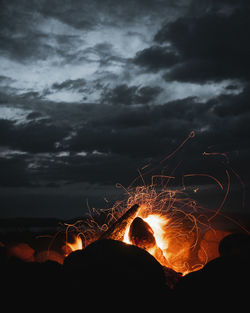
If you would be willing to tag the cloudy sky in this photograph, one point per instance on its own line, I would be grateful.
(92, 91)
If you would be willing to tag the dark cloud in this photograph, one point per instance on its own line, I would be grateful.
(201, 71)
(147, 94)
(14, 172)
(11, 97)
(4, 80)
(28, 47)
(34, 115)
(156, 58)
(211, 47)
(155, 130)
(34, 136)
(16, 16)
(121, 94)
(128, 95)
(139, 131)
(209, 35)
(85, 15)
(70, 84)
(24, 36)
(94, 138)
(48, 147)
(19, 37)
(116, 141)
(233, 106)
(215, 45)
(227, 6)
(130, 130)
(132, 141)
(125, 117)
(93, 168)
(102, 53)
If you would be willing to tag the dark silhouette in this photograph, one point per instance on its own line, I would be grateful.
(113, 268)
(29, 284)
(108, 272)
(237, 244)
(224, 279)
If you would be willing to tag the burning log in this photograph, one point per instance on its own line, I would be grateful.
(141, 234)
(116, 231)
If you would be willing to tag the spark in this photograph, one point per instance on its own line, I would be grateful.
(191, 135)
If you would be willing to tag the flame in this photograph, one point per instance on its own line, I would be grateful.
(177, 222)
(173, 217)
(158, 223)
(76, 245)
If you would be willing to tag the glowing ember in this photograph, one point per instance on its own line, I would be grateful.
(141, 234)
(156, 232)
(148, 233)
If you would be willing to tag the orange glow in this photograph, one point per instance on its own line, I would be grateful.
(178, 223)
(76, 245)
(157, 222)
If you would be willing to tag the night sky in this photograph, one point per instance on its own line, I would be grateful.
(93, 91)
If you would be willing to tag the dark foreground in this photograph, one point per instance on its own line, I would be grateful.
(111, 275)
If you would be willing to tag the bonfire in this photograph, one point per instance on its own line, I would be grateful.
(167, 224)
(174, 228)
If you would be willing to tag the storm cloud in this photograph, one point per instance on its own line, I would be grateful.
(210, 47)
(92, 91)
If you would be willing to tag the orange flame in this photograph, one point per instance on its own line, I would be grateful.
(76, 245)
(157, 222)
(177, 222)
